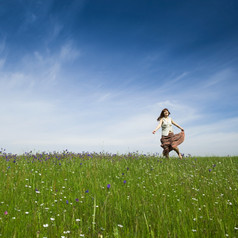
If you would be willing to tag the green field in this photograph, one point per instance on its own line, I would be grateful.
(105, 195)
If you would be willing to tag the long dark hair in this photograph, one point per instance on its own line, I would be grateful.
(162, 114)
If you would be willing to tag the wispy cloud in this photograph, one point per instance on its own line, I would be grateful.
(2, 44)
(219, 77)
(68, 52)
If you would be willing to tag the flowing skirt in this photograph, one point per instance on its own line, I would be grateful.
(171, 141)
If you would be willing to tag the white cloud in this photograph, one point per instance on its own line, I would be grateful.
(2, 44)
(219, 77)
(44, 126)
(68, 52)
(2, 62)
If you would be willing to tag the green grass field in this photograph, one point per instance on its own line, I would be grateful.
(105, 195)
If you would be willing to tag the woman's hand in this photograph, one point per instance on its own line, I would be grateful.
(182, 129)
(153, 132)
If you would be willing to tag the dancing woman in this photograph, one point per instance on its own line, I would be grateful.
(169, 140)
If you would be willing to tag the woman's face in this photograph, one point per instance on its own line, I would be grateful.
(166, 113)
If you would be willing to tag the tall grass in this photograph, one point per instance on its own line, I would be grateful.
(106, 195)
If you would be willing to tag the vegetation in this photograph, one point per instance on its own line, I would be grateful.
(107, 195)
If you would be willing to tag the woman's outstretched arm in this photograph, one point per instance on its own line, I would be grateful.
(157, 128)
(177, 125)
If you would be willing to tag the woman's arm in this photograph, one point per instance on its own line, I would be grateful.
(177, 125)
(157, 128)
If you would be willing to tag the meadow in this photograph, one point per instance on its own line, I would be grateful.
(109, 195)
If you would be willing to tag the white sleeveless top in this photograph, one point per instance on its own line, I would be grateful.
(166, 126)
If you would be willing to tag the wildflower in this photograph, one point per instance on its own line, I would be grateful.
(120, 225)
(76, 199)
(86, 191)
(52, 219)
(193, 230)
(14, 218)
(5, 212)
(45, 225)
(124, 181)
(26, 212)
(67, 202)
(108, 186)
(210, 170)
(122, 173)
(77, 219)
(236, 228)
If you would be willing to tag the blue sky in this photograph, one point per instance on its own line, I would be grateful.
(89, 75)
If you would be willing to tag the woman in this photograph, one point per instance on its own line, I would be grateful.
(169, 140)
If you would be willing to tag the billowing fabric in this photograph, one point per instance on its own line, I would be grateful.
(171, 141)
(166, 126)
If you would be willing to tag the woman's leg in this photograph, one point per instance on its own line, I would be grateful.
(176, 149)
(166, 153)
